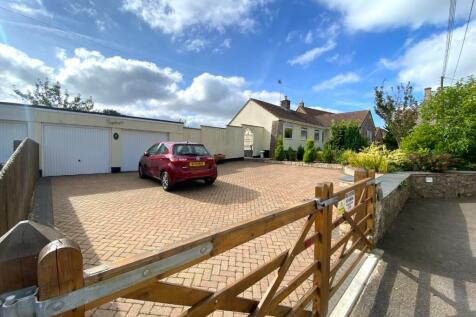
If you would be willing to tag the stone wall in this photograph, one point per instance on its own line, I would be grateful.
(17, 183)
(397, 188)
(443, 185)
(296, 163)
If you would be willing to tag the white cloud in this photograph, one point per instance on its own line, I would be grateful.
(176, 16)
(341, 59)
(195, 45)
(132, 86)
(338, 80)
(422, 61)
(116, 80)
(80, 9)
(19, 70)
(312, 54)
(384, 14)
(323, 31)
(33, 8)
(226, 44)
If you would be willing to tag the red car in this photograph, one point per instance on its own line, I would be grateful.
(175, 162)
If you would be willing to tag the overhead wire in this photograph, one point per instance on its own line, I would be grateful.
(449, 35)
(464, 38)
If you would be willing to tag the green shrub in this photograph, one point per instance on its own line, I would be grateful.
(345, 135)
(425, 160)
(319, 155)
(343, 157)
(279, 150)
(373, 157)
(291, 154)
(328, 155)
(309, 152)
(300, 152)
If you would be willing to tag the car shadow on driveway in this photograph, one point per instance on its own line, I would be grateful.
(220, 193)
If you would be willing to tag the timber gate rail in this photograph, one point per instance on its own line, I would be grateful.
(62, 287)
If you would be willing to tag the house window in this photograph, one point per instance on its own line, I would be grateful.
(288, 132)
(303, 133)
(317, 135)
(369, 135)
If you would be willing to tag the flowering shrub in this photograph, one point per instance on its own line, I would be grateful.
(425, 160)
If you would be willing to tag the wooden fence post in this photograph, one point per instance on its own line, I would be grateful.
(371, 204)
(60, 270)
(322, 247)
(359, 174)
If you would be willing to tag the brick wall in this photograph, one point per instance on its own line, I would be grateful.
(367, 125)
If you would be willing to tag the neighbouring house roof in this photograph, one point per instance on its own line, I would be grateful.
(285, 114)
(313, 116)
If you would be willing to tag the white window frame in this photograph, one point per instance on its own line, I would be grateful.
(284, 131)
(319, 139)
(303, 129)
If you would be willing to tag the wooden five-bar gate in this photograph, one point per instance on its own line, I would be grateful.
(53, 282)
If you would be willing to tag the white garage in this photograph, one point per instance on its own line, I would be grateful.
(72, 150)
(133, 145)
(9, 132)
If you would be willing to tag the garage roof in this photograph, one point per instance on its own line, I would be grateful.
(2, 103)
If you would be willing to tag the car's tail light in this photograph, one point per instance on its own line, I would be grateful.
(179, 161)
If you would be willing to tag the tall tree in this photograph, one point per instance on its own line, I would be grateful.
(111, 112)
(48, 95)
(398, 109)
(448, 122)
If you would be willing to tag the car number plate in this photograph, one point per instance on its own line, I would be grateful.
(197, 164)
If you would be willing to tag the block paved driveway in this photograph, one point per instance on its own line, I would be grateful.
(114, 216)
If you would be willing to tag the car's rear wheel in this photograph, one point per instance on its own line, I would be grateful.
(141, 172)
(210, 180)
(165, 181)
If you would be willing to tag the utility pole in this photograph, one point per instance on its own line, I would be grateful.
(441, 82)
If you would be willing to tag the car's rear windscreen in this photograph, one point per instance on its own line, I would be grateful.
(190, 150)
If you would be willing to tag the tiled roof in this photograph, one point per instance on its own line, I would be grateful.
(285, 114)
(312, 111)
(313, 116)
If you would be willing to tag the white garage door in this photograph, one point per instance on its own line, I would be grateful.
(134, 143)
(9, 132)
(73, 150)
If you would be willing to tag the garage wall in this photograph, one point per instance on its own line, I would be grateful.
(192, 135)
(9, 132)
(234, 142)
(227, 140)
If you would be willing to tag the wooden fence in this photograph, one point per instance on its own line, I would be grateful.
(64, 288)
(17, 183)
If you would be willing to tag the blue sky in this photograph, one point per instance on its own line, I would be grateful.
(200, 60)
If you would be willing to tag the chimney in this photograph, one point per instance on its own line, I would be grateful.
(286, 104)
(427, 94)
